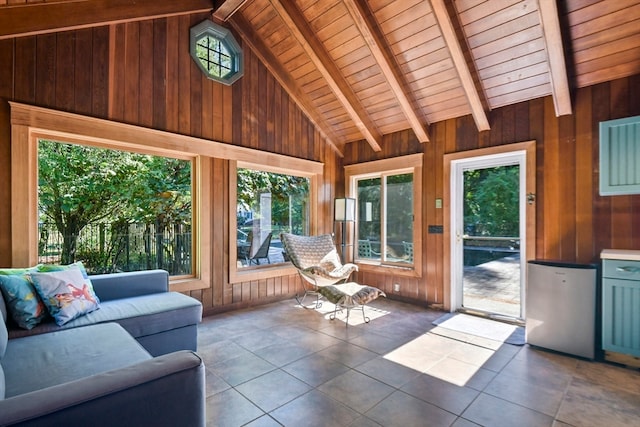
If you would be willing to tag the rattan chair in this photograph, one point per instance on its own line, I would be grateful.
(317, 261)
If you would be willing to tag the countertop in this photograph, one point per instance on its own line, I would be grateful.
(623, 254)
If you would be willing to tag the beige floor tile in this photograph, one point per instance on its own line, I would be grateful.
(367, 372)
(588, 404)
(356, 390)
(421, 353)
(453, 371)
(487, 410)
(314, 409)
(401, 409)
(441, 393)
(524, 393)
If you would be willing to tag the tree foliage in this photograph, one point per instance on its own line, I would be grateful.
(79, 185)
(289, 194)
(492, 201)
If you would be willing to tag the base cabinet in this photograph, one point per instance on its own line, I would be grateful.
(621, 306)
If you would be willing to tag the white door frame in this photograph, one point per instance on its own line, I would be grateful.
(520, 153)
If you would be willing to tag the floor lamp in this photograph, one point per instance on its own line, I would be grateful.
(344, 211)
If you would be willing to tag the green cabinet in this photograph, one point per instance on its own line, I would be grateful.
(620, 156)
(621, 302)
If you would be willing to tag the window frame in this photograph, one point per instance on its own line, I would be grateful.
(383, 168)
(29, 124)
(208, 28)
(298, 167)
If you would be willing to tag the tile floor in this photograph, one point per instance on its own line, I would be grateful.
(280, 364)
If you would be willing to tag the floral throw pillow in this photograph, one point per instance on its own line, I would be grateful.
(21, 298)
(47, 268)
(66, 294)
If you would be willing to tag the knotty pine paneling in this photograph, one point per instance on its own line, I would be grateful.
(573, 222)
(141, 73)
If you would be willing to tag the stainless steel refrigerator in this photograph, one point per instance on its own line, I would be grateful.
(562, 307)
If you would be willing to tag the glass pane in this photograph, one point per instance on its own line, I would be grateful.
(269, 204)
(369, 209)
(113, 210)
(491, 252)
(399, 224)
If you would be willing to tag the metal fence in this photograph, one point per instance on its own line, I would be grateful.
(115, 247)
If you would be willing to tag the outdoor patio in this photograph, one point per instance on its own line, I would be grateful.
(494, 286)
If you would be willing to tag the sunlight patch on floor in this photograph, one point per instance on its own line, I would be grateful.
(455, 350)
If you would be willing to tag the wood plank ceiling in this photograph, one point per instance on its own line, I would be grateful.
(369, 68)
(360, 69)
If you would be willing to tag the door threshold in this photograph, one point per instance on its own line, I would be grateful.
(492, 316)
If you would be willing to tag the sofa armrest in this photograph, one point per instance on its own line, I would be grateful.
(167, 390)
(130, 284)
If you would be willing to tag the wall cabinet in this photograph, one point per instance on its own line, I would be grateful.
(620, 156)
(621, 306)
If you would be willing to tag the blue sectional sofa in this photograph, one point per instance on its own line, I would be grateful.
(132, 362)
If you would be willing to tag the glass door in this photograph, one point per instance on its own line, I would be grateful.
(488, 219)
(491, 240)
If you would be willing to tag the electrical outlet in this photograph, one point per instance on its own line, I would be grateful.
(396, 287)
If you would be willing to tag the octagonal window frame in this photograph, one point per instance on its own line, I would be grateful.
(211, 29)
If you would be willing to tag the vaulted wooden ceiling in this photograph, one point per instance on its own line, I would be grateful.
(364, 68)
(360, 69)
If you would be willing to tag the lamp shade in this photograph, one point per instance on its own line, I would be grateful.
(344, 209)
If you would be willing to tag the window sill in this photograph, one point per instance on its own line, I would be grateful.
(394, 269)
(187, 284)
(262, 272)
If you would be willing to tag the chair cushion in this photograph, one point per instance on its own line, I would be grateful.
(350, 294)
(307, 251)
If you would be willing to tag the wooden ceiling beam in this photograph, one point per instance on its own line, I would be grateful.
(39, 18)
(555, 52)
(362, 17)
(448, 33)
(227, 8)
(251, 38)
(297, 24)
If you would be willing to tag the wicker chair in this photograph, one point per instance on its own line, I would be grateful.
(317, 261)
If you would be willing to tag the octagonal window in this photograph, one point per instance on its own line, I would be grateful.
(216, 52)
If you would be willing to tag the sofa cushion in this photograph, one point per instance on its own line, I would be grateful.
(36, 362)
(3, 308)
(4, 338)
(66, 294)
(140, 316)
(24, 304)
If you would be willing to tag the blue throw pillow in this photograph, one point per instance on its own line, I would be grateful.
(21, 298)
(66, 294)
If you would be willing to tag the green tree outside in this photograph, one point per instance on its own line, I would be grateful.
(81, 185)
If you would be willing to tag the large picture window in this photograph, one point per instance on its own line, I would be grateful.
(187, 256)
(266, 200)
(114, 210)
(387, 194)
(268, 204)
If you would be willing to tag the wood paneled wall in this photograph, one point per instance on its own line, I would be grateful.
(573, 222)
(141, 73)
